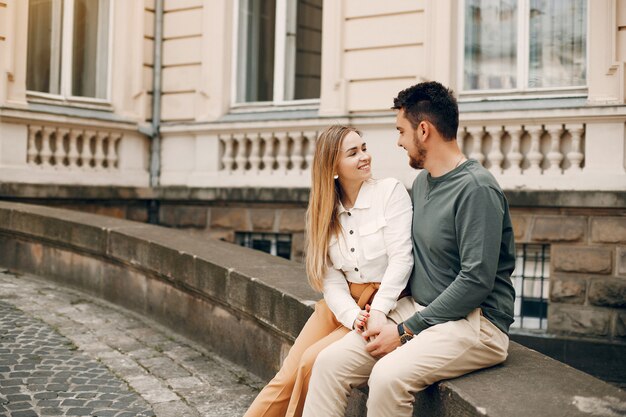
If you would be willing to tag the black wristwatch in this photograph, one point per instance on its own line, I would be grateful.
(404, 336)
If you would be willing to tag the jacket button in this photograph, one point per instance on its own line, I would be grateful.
(351, 249)
(351, 231)
(349, 214)
(356, 269)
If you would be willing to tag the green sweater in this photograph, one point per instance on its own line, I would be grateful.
(463, 248)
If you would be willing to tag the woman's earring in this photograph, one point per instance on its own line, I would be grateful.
(336, 176)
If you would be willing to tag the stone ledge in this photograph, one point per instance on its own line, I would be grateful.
(298, 196)
(220, 294)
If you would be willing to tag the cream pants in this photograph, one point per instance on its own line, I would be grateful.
(443, 351)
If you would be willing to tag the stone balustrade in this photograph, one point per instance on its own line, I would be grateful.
(524, 151)
(72, 152)
(51, 147)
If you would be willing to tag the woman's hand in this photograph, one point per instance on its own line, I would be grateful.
(361, 320)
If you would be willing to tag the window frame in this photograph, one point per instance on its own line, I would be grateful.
(286, 19)
(66, 64)
(523, 70)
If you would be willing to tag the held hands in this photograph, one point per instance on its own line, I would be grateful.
(361, 320)
(386, 341)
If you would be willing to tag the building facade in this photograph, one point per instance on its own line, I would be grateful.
(243, 87)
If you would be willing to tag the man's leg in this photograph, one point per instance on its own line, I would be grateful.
(440, 352)
(338, 368)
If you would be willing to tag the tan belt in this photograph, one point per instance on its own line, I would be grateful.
(364, 293)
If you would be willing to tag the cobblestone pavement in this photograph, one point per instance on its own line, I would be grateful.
(63, 353)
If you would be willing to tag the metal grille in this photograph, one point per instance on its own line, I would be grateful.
(531, 280)
(277, 244)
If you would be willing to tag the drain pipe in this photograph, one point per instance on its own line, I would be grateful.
(155, 143)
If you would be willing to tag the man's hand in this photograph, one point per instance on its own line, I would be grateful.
(386, 342)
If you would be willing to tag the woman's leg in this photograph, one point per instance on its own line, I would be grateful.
(273, 400)
(301, 386)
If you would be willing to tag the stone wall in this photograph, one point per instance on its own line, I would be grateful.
(586, 232)
(588, 267)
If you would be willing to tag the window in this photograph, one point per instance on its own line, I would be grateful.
(531, 281)
(68, 47)
(277, 244)
(524, 45)
(279, 44)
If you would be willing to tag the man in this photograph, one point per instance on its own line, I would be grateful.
(461, 308)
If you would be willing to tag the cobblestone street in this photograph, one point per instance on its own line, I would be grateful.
(63, 353)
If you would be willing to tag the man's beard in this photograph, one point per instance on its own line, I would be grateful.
(417, 161)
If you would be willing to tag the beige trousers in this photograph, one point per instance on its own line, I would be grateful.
(284, 395)
(443, 351)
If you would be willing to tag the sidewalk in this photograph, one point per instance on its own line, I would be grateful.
(63, 353)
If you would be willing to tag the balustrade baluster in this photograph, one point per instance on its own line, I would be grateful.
(99, 153)
(296, 157)
(73, 155)
(515, 156)
(255, 154)
(111, 157)
(228, 159)
(534, 155)
(282, 158)
(31, 152)
(61, 152)
(268, 152)
(88, 152)
(46, 152)
(310, 151)
(477, 134)
(575, 155)
(240, 158)
(554, 155)
(495, 155)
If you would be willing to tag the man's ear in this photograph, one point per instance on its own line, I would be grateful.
(424, 129)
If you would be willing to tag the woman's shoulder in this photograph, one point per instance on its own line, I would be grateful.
(388, 183)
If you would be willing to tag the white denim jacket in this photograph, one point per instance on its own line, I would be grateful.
(374, 246)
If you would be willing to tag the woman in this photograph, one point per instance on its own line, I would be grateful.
(359, 255)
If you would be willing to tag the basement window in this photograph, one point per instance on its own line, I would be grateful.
(531, 280)
(277, 244)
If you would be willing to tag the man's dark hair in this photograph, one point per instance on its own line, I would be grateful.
(433, 102)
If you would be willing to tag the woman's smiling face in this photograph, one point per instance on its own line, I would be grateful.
(354, 161)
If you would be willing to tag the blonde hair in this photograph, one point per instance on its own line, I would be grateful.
(322, 218)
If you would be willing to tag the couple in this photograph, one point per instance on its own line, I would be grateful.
(366, 248)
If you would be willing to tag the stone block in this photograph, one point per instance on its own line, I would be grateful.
(608, 229)
(620, 325)
(520, 224)
(176, 215)
(297, 247)
(5, 217)
(559, 229)
(621, 260)
(608, 292)
(234, 218)
(263, 219)
(579, 320)
(582, 259)
(292, 220)
(126, 247)
(176, 265)
(137, 213)
(568, 290)
(210, 279)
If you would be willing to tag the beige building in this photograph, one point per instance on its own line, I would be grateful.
(247, 84)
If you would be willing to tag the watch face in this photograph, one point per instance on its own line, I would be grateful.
(405, 338)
